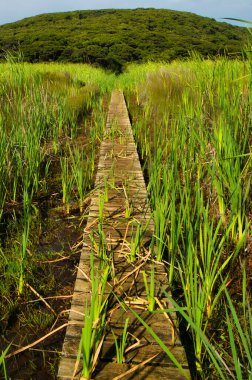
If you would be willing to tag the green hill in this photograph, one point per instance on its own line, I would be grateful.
(112, 38)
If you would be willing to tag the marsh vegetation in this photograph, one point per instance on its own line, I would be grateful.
(192, 125)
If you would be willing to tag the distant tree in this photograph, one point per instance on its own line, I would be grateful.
(112, 38)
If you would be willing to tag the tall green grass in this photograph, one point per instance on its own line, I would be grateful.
(51, 124)
(192, 124)
(94, 321)
(40, 107)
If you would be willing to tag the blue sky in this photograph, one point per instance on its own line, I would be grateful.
(13, 10)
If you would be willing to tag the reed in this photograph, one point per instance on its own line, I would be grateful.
(94, 321)
(2, 363)
(67, 179)
(240, 333)
(51, 123)
(135, 243)
(191, 123)
(121, 343)
(150, 288)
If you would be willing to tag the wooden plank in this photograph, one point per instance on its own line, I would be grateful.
(120, 171)
(150, 372)
(66, 369)
(144, 352)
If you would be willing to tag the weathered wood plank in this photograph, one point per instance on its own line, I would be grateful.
(120, 183)
(144, 352)
(150, 372)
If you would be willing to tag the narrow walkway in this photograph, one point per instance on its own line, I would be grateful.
(119, 204)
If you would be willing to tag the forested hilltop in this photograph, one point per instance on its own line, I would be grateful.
(112, 38)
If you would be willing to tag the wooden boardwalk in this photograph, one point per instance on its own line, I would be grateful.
(119, 215)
